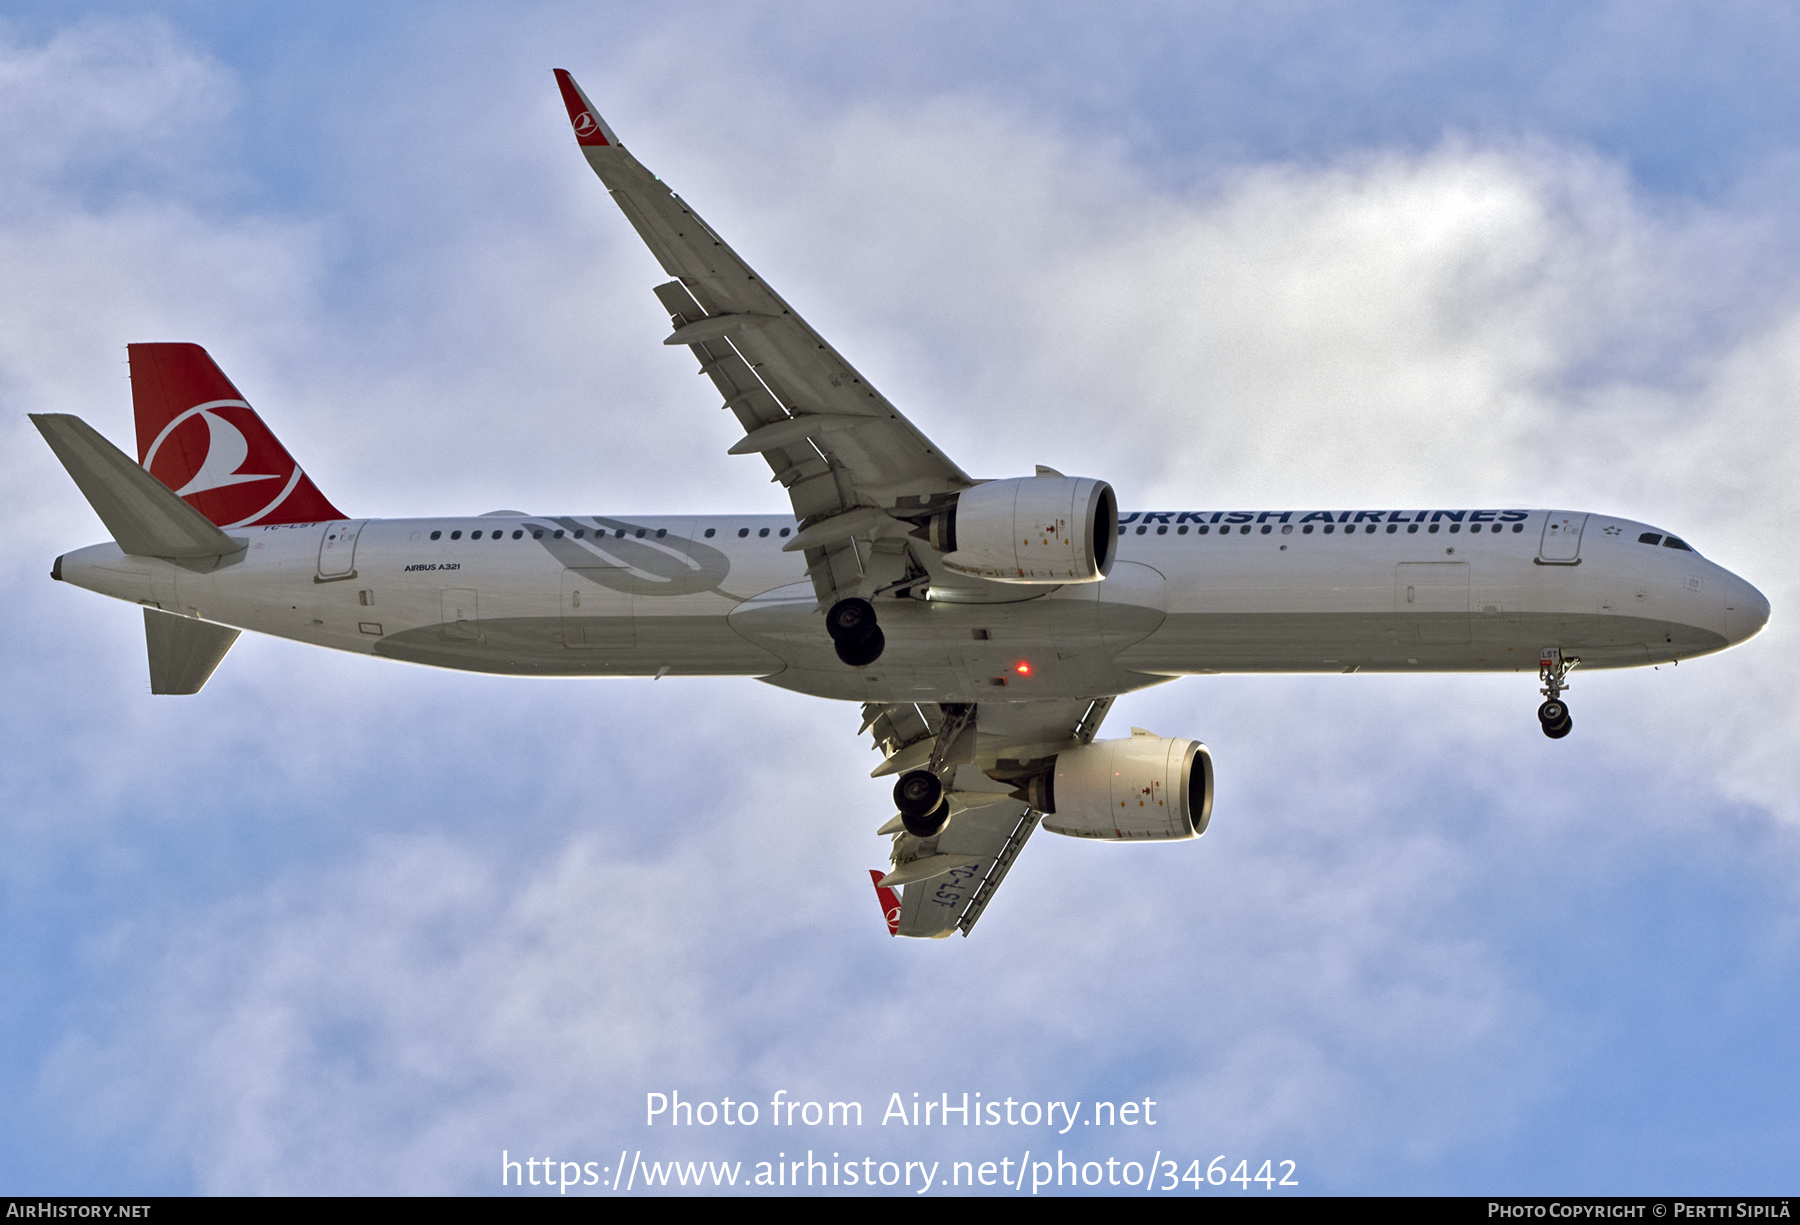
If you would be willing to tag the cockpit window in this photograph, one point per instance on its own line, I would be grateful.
(1650, 538)
(1669, 542)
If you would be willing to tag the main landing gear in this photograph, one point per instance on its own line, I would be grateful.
(1553, 670)
(858, 639)
(923, 809)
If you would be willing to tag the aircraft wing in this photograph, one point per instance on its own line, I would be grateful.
(946, 882)
(845, 455)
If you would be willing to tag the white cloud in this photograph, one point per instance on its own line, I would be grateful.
(99, 99)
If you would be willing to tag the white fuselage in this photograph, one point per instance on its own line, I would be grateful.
(1272, 591)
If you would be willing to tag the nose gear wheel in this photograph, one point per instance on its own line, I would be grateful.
(1553, 669)
(1554, 715)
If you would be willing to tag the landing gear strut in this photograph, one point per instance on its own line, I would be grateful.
(1553, 670)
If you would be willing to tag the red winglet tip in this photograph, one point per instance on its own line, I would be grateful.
(589, 131)
(890, 902)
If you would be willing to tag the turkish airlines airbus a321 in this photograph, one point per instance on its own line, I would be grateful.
(986, 626)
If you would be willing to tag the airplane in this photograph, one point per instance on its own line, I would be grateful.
(985, 626)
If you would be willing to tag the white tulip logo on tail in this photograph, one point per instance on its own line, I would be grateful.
(226, 451)
(198, 435)
(206, 433)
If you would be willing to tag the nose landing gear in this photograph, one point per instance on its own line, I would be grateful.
(1553, 670)
(1554, 715)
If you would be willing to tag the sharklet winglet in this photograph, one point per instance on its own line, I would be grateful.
(889, 899)
(590, 130)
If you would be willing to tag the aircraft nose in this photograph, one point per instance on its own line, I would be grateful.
(1747, 610)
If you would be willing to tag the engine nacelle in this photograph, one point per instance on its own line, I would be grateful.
(1031, 529)
(1144, 788)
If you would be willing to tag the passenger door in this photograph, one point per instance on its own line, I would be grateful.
(1562, 539)
(337, 551)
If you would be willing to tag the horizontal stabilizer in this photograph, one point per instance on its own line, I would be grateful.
(144, 515)
(183, 651)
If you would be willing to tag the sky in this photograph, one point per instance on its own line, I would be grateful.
(337, 925)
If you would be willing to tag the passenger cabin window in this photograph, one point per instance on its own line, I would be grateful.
(456, 535)
(435, 535)
(518, 534)
(784, 531)
(709, 532)
(744, 531)
(762, 531)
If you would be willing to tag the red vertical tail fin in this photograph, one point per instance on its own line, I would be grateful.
(202, 439)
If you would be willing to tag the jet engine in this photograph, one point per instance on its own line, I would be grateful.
(1142, 788)
(1033, 529)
